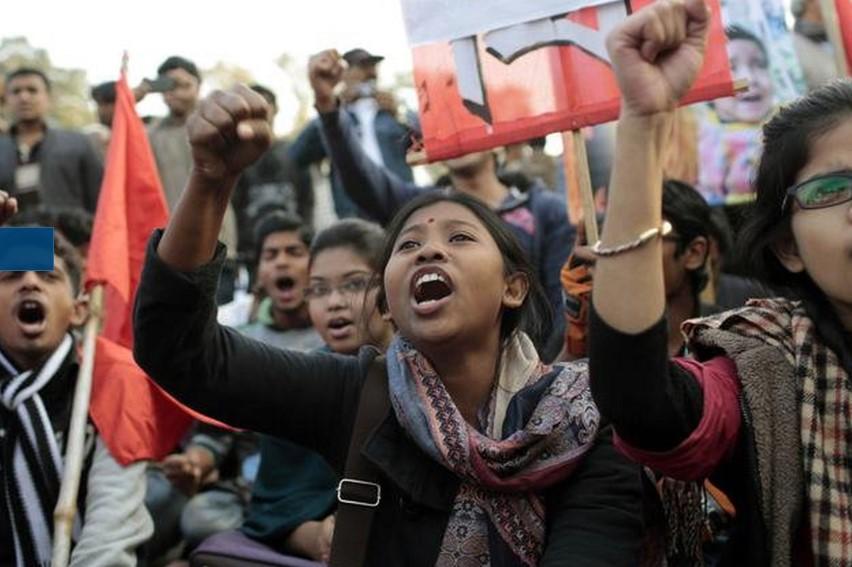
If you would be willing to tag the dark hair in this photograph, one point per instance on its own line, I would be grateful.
(62, 248)
(721, 231)
(75, 224)
(177, 62)
(787, 140)
(738, 32)
(534, 316)
(279, 221)
(104, 93)
(28, 71)
(265, 92)
(364, 238)
(689, 214)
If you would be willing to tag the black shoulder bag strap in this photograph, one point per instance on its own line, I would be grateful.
(359, 492)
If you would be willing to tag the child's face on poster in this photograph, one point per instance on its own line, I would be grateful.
(748, 62)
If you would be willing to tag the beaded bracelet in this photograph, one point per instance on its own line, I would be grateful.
(662, 230)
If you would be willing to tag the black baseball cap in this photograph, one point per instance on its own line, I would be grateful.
(360, 56)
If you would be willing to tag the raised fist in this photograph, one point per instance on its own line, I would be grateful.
(657, 54)
(228, 132)
(8, 207)
(325, 69)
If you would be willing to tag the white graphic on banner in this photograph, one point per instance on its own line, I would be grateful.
(430, 21)
(507, 44)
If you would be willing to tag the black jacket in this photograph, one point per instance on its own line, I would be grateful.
(594, 517)
(71, 170)
(673, 405)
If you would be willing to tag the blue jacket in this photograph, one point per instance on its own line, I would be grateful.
(393, 137)
(537, 217)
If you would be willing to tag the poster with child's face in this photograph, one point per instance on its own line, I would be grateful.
(760, 48)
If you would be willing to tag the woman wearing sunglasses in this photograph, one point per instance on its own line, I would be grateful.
(763, 409)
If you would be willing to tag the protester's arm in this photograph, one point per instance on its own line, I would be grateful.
(656, 53)
(8, 207)
(227, 133)
(306, 398)
(198, 464)
(91, 175)
(215, 441)
(307, 148)
(116, 522)
(216, 370)
(689, 420)
(594, 519)
(376, 191)
(312, 539)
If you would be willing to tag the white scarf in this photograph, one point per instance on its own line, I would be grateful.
(31, 478)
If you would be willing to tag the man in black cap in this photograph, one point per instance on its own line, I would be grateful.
(383, 138)
(363, 65)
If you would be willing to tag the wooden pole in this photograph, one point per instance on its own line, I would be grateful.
(832, 27)
(66, 506)
(584, 184)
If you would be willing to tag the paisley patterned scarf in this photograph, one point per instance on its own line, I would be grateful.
(535, 429)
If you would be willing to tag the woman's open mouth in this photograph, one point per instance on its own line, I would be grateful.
(431, 288)
(340, 328)
(32, 317)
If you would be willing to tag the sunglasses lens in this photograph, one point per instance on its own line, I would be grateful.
(825, 192)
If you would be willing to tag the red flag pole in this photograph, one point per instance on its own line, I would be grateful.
(66, 505)
(832, 27)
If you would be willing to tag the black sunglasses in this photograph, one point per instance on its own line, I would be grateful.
(821, 191)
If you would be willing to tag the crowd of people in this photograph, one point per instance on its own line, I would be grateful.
(447, 374)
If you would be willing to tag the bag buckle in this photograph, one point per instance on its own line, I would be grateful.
(367, 502)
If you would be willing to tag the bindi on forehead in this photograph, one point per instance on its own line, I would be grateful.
(430, 220)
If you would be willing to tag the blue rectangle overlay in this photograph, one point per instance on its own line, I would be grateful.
(24, 249)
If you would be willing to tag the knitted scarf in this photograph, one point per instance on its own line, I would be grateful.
(31, 465)
(825, 395)
(536, 427)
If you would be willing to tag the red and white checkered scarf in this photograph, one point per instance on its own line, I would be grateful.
(825, 395)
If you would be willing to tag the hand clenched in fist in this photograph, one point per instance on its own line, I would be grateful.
(325, 70)
(228, 132)
(657, 54)
(8, 207)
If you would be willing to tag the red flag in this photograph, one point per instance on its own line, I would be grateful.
(844, 18)
(495, 72)
(134, 417)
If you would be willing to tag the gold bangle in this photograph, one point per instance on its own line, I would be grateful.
(662, 230)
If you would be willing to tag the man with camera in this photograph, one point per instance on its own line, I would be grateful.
(179, 80)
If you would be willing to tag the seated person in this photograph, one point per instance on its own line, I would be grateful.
(293, 499)
(203, 489)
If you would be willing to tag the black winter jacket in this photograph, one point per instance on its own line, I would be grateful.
(594, 517)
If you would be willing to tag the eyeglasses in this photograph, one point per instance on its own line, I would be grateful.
(350, 287)
(821, 191)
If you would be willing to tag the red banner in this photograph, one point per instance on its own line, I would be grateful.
(526, 80)
(844, 18)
